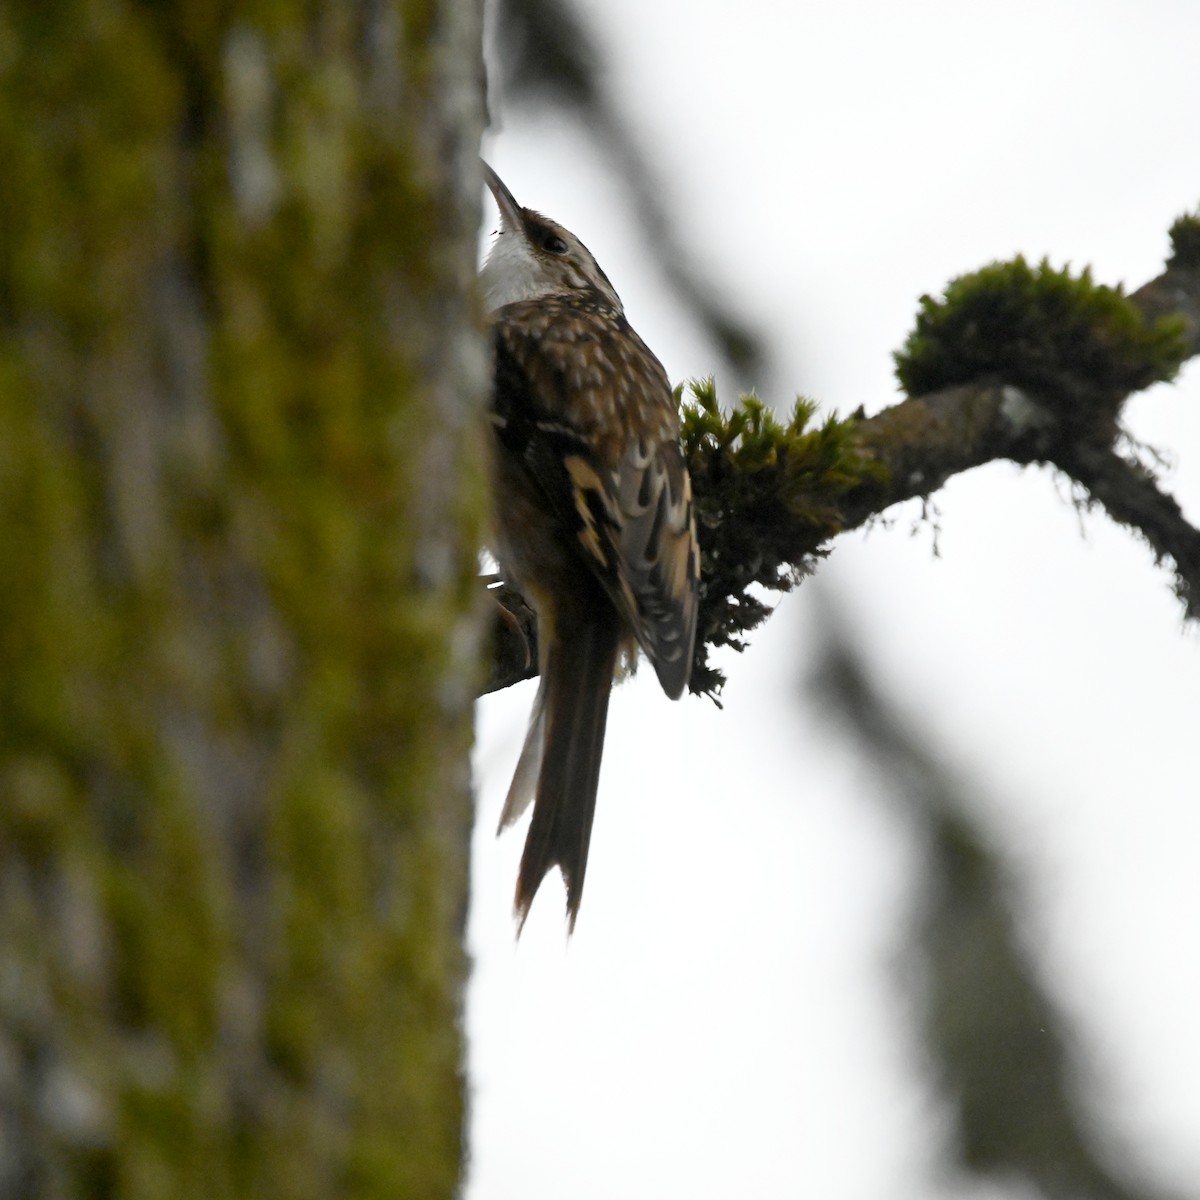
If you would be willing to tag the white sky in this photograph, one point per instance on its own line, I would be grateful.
(726, 1020)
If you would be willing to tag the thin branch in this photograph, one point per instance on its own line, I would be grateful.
(1131, 496)
(924, 441)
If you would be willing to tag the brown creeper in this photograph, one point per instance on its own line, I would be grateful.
(593, 512)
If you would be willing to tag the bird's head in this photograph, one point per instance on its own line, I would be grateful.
(533, 257)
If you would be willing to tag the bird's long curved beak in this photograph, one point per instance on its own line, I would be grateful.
(510, 210)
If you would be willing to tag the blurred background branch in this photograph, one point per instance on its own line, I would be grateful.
(549, 58)
(1005, 1063)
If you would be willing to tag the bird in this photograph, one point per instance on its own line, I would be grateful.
(593, 517)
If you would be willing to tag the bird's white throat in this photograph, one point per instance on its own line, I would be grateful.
(512, 272)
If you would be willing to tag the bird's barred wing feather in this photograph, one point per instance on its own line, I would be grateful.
(594, 420)
(659, 554)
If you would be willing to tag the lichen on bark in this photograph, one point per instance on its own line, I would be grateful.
(239, 506)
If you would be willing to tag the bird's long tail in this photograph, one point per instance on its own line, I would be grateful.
(577, 677)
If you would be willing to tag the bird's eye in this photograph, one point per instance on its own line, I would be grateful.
(555, 244)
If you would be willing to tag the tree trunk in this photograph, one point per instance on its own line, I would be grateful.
(239, 504)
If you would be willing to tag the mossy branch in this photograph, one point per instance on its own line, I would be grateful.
(1018, 362)
(768, 497)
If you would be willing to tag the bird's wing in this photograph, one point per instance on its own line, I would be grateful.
(589, 409)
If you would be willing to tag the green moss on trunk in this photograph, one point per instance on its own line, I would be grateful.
(239, 502)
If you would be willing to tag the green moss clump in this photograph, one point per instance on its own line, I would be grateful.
(1185, 242)
(1077, 345)
(766, 498)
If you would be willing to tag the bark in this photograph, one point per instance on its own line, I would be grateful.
(239, 510)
